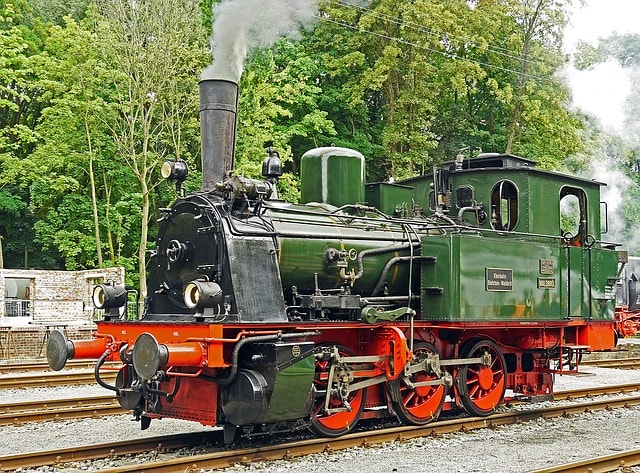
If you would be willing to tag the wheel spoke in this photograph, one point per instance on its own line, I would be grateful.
(410, 398)
(418, 405)
(481, 388)
(337, 423)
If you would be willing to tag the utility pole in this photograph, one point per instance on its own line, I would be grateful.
(1, 257)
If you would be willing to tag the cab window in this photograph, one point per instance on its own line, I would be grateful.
(573, 212)
(504, 206)
(464, 196)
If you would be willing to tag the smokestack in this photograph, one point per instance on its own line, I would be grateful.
(218, 112)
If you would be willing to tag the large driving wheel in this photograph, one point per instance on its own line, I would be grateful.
(337, 423)
(481, 387)
(422, 404)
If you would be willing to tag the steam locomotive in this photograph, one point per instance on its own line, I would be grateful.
(458, 289)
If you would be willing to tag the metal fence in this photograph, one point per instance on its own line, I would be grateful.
(17, 308)
(129, 312)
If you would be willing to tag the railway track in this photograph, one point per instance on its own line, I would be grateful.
(616, 462)
(31, 366)
(222, 458)
(98, 406)
(57, 409)
(50, 379)
(628, 363)
(107, 450)
(288, 451)
(595, 391)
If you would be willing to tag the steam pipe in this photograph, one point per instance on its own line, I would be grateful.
(218, 113)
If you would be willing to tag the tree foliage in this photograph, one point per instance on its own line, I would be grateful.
(24, 92)
(156, 50)
(420, 81)
(95, 94)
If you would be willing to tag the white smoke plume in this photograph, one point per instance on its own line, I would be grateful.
(240, 25)
(605, 171)
(606, 168)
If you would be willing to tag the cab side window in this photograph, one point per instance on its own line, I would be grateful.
(464, 196)
(504, 206)
(573, 213)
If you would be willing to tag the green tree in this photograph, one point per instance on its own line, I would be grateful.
(156, 50)
(429, 78)
(54, 11)
(385, 63)
(278, 103)
(23, 94)
(19, 92)
(75, 149)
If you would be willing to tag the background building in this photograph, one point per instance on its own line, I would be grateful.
(35, 302)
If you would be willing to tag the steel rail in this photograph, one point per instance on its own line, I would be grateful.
(225, 458)
(289, 451)
(56, 409)
(115, 449)
(615, 462)
(106, 450)
(8, 368)
(97, 406)
(613, 363)
(23, 381)
(571, 394)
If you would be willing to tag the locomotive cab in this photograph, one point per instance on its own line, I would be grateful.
(536, 254)
(522, 198)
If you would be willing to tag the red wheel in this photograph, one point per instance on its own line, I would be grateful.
(419, 405)
(337, 423)
(481, 387)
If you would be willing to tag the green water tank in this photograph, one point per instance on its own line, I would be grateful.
(332, 175)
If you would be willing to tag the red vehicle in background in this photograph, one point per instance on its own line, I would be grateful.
(627, 317)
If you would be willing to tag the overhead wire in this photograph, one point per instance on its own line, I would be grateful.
(442, 53)
(421, 29)
(498, 50)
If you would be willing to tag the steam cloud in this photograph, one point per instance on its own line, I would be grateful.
(240, 25)
(605, 168)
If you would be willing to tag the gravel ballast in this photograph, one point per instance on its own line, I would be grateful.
(516, 448)
(507, 449)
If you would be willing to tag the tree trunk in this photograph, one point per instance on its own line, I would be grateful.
(94, 200)
(107, 218)
(144, 231)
